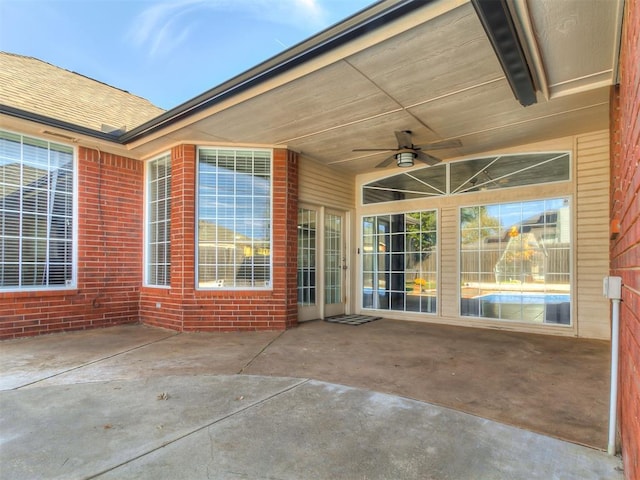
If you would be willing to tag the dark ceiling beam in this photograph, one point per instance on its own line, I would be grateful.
(498, 24)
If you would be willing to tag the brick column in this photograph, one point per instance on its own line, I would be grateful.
(161, 306)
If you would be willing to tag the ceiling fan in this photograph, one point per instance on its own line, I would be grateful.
(407, 152)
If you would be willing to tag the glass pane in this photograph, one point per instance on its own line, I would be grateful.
(10, 145)
(509, 171)
(517, 265)
(333, 259)
(400, 269)
(159, 227)
(36, 209)
(234, 218)
(307, 256)
(419, 183)
(471, 175)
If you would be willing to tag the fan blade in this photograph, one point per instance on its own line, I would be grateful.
(404, 139)
(455, 143)
(386, 162)
(426, 158)
(374, 149)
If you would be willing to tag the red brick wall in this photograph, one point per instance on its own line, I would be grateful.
(182, 307)
(625, 249)
(109, 246)
(163, 307)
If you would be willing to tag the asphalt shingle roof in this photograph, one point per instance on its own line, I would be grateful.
(38, 87)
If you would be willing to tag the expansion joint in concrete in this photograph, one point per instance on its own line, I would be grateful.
(203, 427)
(98, 360)
(255, 357)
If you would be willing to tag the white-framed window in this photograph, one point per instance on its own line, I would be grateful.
(37, 179)
(234, 218)
(399, 261)
(158, 271)
(470, 175)
(515, 258)
(515, 261)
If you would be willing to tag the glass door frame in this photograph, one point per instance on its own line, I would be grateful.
(320, 309)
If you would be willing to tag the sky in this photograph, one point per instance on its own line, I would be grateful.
(165, 51)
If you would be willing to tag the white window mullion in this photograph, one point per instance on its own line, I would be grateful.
(20, 215)
(53, 185)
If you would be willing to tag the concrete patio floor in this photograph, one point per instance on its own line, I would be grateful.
(139, 402)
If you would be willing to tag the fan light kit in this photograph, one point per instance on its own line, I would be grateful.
(407, 152)
(405, 159)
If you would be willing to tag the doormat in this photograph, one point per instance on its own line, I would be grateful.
(351, 319)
